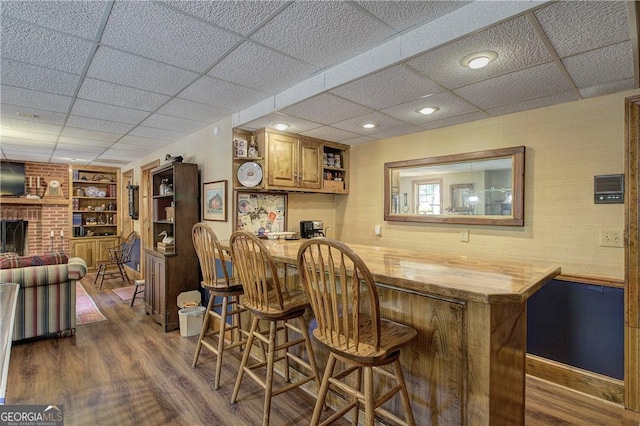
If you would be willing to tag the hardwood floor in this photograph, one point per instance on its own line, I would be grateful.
(125, 371)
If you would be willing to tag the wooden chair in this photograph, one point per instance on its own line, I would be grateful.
(118, 257)
(216, 279)
(267, 300)
(344, 299)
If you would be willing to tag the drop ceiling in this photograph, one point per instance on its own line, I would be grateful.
(107, 82)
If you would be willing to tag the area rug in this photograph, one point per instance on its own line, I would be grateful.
(124, 293)
(86, 310)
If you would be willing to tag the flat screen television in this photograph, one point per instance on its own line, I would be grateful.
(12, 178)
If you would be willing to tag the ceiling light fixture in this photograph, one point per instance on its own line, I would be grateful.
(427, 110)
(478, 59)
(281, 126)
(369, 126)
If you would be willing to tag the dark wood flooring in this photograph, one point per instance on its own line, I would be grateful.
(125, 371)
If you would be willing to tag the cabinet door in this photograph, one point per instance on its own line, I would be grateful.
(102, 245)
(85, 250)
(310, 165)
(154, 281)
(282, 163)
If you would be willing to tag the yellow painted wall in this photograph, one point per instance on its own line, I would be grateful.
(566, 145)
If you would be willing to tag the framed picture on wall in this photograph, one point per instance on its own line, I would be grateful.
(215, 201)
(260, 212)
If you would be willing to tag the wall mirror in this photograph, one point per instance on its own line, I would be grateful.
(474, 188)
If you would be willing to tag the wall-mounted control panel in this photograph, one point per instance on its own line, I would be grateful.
(608, 189)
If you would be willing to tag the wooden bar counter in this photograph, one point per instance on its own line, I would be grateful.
(467, 365)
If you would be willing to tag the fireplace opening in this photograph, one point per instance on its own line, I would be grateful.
(13, 236)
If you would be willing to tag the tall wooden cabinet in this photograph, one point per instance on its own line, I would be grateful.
(171, 271)
(94, 212)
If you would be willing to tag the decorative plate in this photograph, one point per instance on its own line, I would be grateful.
(92, 191)
(250, 174)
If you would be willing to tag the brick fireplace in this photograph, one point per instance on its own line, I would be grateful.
(42, 216)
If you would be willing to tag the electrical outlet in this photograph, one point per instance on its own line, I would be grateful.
(611, 238)
(377, 230)
(464, 236)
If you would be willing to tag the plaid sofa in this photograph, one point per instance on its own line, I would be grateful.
(47, 297)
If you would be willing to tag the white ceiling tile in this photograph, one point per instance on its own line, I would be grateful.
(605, 89)
(160, 121)
(79, 18)
(330, 134)
(130, 70)
(27, 125)
(97, 110)
(241, 17)
(27, 43)
(298, 125)
(70, 140)
(220, 93)
(147, 28)
(20, 135)
(99, 125)
(397, 131)
(543, 101)
(601, 66)
(358, 140)
(442, 65)
(448, 104)
(10, 143)
(534, 82)
(116, 94)
(38, 78)
(194, 110)
(63, 149)
(453, 121)
(405, 14)
(260, 68)
(389, 87)
(574, 27)
(324, 33)
(383, 123)
(326, 109)
(8, 112)
(32, 99)
(144, 149)
(75, 132)
(163, 134)
(147, 143)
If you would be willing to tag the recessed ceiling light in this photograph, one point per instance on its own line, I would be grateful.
(427, 110)
(281, 126)
(369, 126)
(478, 59)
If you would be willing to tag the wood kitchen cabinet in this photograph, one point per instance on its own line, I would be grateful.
(93, 249)
(172, 269)
(290, 162)
(293, 162)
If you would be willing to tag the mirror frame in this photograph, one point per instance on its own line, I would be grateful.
(516, 218)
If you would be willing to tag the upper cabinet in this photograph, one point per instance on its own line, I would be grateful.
(273, 160)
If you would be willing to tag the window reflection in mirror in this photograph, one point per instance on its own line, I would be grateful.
(484, 187)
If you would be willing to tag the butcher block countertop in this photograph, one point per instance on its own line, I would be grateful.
(445, 275)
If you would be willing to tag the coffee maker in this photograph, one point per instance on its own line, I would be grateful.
(311, 228)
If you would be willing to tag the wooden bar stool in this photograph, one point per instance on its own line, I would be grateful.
(266, 300)
(212, 261)
(344, 299)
